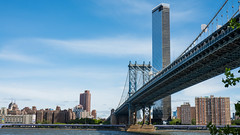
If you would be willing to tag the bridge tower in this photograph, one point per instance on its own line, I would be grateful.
(139, 74)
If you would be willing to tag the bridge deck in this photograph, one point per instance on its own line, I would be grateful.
(206, 60)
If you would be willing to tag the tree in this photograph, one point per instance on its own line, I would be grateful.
(175, 122)
(234, 24)
(85, 121)
(230, 80)
(235, 122)
(237, 108)
(193, 121)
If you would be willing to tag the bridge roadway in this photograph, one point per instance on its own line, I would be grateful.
(207, 59)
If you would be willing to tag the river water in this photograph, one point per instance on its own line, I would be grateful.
(88, 132)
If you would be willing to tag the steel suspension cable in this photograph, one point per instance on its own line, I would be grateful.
(123, 89)
(204, 28)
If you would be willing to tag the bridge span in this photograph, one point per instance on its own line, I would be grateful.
(206, 57)
(205, 60)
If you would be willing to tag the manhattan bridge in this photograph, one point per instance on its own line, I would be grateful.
(215, 48)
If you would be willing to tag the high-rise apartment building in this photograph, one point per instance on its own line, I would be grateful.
(161, 56)
(213, 109)
(186, 113)
(85, 100)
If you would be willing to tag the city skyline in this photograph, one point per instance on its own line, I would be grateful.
(50, 51)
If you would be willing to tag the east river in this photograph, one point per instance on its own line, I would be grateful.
(89, 132)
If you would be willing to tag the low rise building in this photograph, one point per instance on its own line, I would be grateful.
(18, 119)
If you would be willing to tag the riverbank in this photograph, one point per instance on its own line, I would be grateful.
(67, 126)
(51, 131)
(178, 132)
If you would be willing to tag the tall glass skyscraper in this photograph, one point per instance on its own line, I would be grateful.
(161, 56)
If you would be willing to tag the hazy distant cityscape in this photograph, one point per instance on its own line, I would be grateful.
(13, 115)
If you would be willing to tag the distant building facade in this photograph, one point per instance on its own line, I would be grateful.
(77, 110)
(186, 113)
(3, 111)
(18, 119)
(13, 109)
(85, 114)
(94, 114)
(213, 109)
(24, 116)
(175, 114)
(161, 56)
(85, 100)
(55, 116)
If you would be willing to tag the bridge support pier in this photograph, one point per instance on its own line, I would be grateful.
(149, 111)
(143, 110)
(113, 118)
(142, 128)
(131, 110)
(135, 116)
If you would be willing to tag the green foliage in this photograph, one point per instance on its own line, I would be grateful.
(44, 122)
(212, 128)
(193, 121)
(59, 123)
(106, 122)
(230, 79)
(235, 122)
(175, 122)
(234, 24)
(237, 108)
(85, 121)
(223, 131)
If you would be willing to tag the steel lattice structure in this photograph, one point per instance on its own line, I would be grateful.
(138, 72)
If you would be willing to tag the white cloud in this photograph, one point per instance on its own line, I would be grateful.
(119, 46)
(205, 88)
(12, 56)
(44, 96)
(87, 73)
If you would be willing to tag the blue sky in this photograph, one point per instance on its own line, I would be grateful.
(51, 51)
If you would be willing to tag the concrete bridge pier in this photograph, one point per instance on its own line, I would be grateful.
(149, 117)
(134, 127)
(144, 116)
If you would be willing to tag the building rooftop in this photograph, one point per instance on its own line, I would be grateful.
(164, 5)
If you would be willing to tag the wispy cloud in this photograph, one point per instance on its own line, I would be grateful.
(211, 86)
(16, 57)
(97, 73)
(119, 46)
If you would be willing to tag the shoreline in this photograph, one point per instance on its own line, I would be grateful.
(91, 129)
